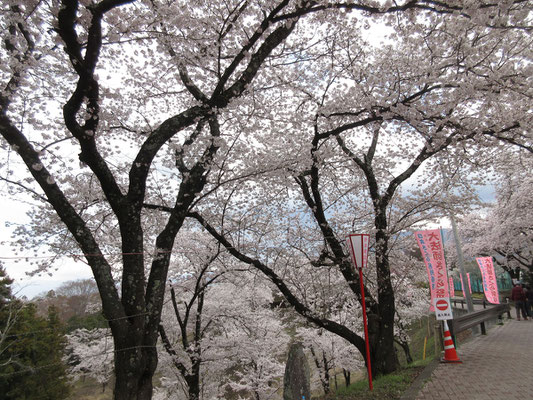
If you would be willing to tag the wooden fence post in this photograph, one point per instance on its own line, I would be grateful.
(439, 345)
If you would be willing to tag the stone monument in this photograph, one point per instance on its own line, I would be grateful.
(296, 383)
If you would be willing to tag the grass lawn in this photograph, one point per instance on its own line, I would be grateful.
(385, 387)
(393, 386)
(89, 389)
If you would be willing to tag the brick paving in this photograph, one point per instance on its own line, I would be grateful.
(495, 367)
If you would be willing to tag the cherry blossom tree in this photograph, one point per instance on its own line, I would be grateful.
(374, 120)
(185, 344)
(220, 333)
(256, 345)
(329, 354)
(139, 84)
(504, 230)
(89, 353)
(127, 115)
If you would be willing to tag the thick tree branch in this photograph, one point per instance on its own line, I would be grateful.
(265, 24)
(192, 184)
(75, 224)
(170, 350)
(299, 307)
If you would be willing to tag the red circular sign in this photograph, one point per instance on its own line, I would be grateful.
(442, 305)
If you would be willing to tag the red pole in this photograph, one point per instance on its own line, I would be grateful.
(368, 364)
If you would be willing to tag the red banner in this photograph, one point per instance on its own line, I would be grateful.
(451, 287)
(462, 284)
(490, 286)
(469, 284)
(430, 243)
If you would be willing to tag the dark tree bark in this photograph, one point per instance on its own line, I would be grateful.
(347, 377)
(406, 349)
(518, 262)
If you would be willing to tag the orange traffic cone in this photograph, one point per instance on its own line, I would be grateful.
(450, 355)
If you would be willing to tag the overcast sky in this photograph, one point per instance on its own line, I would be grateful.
(16, 265)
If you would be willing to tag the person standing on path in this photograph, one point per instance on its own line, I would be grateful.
(529, 301)
(519, 297)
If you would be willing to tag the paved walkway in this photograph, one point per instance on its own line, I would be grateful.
(497, 366)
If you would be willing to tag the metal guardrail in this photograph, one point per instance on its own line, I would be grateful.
(461, 301)
(475, 318)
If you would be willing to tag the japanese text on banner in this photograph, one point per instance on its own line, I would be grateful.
(430, 243)
(490, 286)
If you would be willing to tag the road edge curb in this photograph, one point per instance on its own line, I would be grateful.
(418, 383)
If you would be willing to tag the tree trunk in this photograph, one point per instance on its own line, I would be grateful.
(193, 382)
(134, 370)
(383, 353)
(383, 357)
(322, 370)
(326, 373)
(406, 350)
(347, 377)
